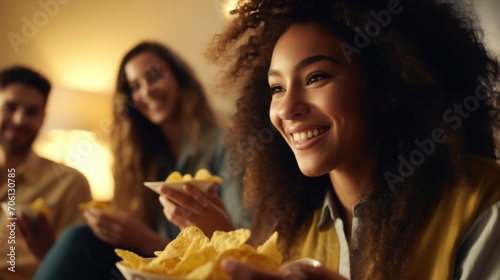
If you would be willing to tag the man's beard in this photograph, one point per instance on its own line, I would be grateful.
(15, 147)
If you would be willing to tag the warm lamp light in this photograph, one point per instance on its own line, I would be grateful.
(224, 7)
(81, 150)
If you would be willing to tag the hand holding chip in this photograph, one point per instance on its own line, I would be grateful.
(194, 207)
(33, 227)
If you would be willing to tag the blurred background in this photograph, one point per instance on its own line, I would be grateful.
(78, 45)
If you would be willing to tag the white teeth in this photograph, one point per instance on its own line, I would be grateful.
(301, 137)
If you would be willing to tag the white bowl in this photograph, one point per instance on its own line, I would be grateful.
(132, 274)
(202, 185)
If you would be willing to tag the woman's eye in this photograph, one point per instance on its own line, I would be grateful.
(275, 89)
(153, 78)
(314, 77)
(134, 88)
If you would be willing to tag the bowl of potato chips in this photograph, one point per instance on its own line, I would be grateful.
(201, 180)
(192, 255)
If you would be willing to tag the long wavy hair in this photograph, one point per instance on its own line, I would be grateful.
(136, 142)
(421, 64)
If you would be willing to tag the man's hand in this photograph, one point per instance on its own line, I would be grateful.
(37, 233)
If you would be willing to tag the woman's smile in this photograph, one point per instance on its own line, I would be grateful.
(317, 99)
(304, 136)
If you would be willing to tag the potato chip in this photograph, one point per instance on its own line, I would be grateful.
(200, 175)
(163, 267)
(101, 205)
(187, 177)
(241, 253)
(195, 258)
(224, 241)
(192, 255)
(177, 247)
(262, 261)
(202, 272)
(131, 259)
(269, 248)
(204, 174)
(216, 179)
(40, 206)
(174, 177)
(247, 248)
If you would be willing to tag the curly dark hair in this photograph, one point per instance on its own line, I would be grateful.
(427, 69)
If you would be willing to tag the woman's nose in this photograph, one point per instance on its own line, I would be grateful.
(292, 106)
(144, 89)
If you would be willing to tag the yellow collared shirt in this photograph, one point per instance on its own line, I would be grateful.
(462, 240)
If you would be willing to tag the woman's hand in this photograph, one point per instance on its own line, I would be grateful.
(37, 234)
(193, 207)
(124, 230)
(241, 271)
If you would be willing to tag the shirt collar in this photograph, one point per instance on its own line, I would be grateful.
(330, 210)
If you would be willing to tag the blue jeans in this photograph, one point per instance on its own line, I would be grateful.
(79, 254)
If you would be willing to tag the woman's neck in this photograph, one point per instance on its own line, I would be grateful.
(173, 133)
(350, 184)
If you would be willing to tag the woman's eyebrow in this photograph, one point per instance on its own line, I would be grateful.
(313, 59)
(273, 72)
(305, 62)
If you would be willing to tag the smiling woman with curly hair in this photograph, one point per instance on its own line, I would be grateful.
(382, 165)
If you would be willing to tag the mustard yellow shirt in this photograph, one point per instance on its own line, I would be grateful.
(62, 188)
(462, 240)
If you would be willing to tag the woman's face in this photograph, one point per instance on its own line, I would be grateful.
(318, 100)
(154, 88)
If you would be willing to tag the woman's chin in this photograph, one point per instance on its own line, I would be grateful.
(310, 171)
(157, 119)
